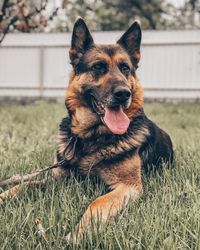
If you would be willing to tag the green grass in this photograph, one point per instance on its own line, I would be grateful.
(167, 216)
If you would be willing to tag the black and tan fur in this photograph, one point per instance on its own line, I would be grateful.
(84, 142)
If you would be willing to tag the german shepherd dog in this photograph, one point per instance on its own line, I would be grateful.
(106, 132)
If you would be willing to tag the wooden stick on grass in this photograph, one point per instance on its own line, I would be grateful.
(16, 179)
(16, 189)
(24, 181)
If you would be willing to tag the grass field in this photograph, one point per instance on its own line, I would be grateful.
(167, 216)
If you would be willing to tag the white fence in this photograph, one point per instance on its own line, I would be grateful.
(38, 65)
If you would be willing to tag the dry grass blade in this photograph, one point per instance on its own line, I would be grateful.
(40, 229)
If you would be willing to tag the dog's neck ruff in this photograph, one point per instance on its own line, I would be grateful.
(73, 150)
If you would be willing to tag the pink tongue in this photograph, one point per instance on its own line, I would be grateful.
(116, 120)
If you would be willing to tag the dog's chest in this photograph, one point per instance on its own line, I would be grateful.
(92, 155)
(97, 151)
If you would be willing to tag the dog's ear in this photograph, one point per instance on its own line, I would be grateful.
(131, 41)
(81, 41)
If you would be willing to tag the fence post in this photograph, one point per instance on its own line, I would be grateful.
(41, 71)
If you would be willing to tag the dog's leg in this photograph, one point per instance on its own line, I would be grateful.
(104, 208)
(57, 174)
(126, 183)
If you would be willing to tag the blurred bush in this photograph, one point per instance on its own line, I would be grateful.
(59, 15)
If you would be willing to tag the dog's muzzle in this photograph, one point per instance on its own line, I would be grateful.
(121, 94)
(111, 110)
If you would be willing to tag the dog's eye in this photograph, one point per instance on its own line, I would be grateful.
(125, 69)
(99, 68)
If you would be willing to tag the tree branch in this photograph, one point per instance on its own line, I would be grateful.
(21, 13)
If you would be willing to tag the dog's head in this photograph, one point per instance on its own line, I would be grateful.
(103, 90)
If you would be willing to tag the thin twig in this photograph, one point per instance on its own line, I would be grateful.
(6, 30)
(16, 179)
(16, 189)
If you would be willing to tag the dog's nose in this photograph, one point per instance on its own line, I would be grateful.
(121, 94)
